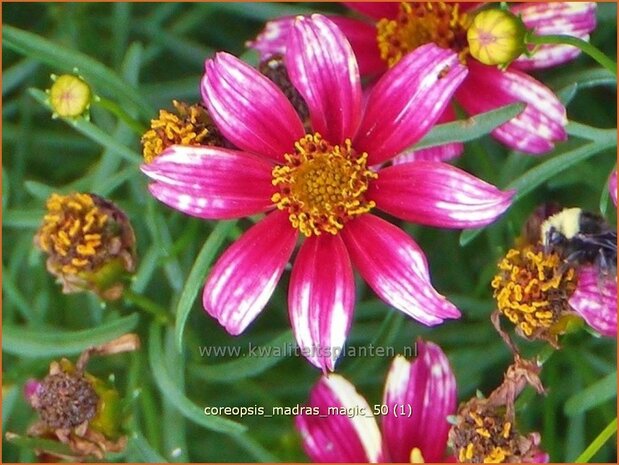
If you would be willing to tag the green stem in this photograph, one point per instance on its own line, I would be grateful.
(121, 114)
(583, 45)
(598, 442)
(161, 315)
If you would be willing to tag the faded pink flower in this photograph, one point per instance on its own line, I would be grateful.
(595, 300)
(388, 32)
(421, 393)
(324, 185)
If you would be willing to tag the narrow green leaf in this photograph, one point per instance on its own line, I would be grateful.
(594, 395)
(170, 390)
(470, 128)
(598, 442)
(139, 446)
(9, 396)
(195, 280)
(541, 173)
(52, 342)
(92, 132)
(269, 355)
(49, 445)
(63, 59)
(27, 219)
(16, 74)
(255, 449)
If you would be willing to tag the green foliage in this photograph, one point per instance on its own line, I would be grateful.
(138, 57)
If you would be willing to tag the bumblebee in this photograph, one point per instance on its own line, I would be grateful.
(581, 238)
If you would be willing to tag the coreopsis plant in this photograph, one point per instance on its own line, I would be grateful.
(323, 185)
(418, 398)
(387, 32)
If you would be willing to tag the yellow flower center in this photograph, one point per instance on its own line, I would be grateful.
(532, 288)
(73, 232)
(191, 126)
(420, 23)
(322, 186)
(484, 437)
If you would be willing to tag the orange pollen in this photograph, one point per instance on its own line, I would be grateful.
(322, 186)
(420, 23)
(532, 288)
(484, 437)
(74, 231)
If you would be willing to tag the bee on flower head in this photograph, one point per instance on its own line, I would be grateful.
(581, 238)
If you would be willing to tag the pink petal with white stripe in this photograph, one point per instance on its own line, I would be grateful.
(576, 19)
(333, 437)
(595, 299)
(439, 153)
(211, 182)
(322, 66)
(407, 101)
(375, 10)
(394, 266)
(273, 39)
(362, 38)
(245, 276)
(536, 129)
(437, 194)
(321, 299)
(428, 387)
(249, 110)
(612, 186)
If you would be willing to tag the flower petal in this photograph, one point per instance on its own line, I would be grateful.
(571, 18)
(395, 268)
(437, 194)
(211, 182)
(245, 276)
(375, 10)
(407, 101)
(249, 110)
(536, 128)
(612, 186)
(322, 66)
(273, 39)
(362, 38)
(321, 299)
(439, 153)
(595, 299)
(333, 437)
(428, 387)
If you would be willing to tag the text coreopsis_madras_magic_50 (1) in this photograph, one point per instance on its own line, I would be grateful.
(324, 184)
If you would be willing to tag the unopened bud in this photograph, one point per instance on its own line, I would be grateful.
(69, 96)
(496, 37)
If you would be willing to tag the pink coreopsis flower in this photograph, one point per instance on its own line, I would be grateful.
(418, 398)
(389, 31)
(324, 185)
(595, 300)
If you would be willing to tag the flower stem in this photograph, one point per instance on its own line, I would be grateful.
(161, 315)
(121, 114)
(583, 45)
(598, 442)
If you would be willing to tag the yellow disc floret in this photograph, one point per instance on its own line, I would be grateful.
(191, 125)
(420, 23)
(532, 289)
(322, 186)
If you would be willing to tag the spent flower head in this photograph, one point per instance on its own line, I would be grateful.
(89, 243)
(78, 409)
